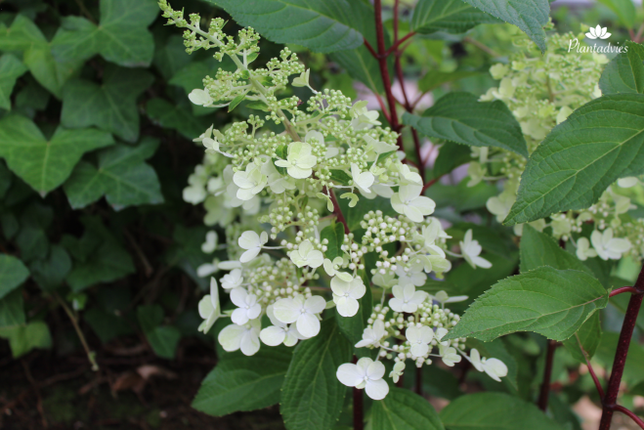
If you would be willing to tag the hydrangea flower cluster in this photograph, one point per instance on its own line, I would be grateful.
(541, 91)
(276, 195)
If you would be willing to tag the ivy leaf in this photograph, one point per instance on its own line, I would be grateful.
(551, 302)
(12, 274)
(625, 72)
(170, 115)
(24, 338)
(598, 143)
(494, 411)
(240, 383)
(170, 57)
(461, 118)
(163, 339)
(529, 15)
(624, 9)
(404, 410)
(12, 310)
(326, 26)
(10, 70)
(51, 272)
(43, 163)
(74, 40)
(539, 249)
(453, 16)
(312, 396)
(122, 176)
(110, 106)
(335, 235)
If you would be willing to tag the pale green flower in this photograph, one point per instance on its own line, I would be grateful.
(494, 367)
(584, 250)
(449, 355)
(406, 298)
(371, 336)
(471, 249)
(361, 180)
(252, 243)
(247, 306)
(607, 246)
(303, 312)
(250, 182)
(346, 295)
(363, 119)
(306, 255)
(246, 337)
(299, 162)
(397, 372)
(408, 201)
(209, 246)
(209, 308)
(419, 339)
(366, 374)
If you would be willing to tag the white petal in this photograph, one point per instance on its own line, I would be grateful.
(308, 325)
(230, 337)
(239, 316)
(249, 343)
(286, 310)
(347, 306)
(315, 304)
(249, 239)
(272, 336)
(238, 296)
(349, 375)
(377, 390)
(249, 255)
(205, 307)
(376, 370)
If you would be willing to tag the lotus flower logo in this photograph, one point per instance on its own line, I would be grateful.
(598, 32)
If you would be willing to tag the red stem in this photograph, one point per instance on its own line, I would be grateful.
(621, 290)
(397, 44)
(547, 376)
(598, 385)
(628, 412)
(609, 402)
(358, 409)
(338, 212)
(419, 381)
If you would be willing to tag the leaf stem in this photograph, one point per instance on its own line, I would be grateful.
(598, 385)
(544, 393)
(628, 412)
(621, 290)
(91, 355)
(338, 212)
(609, 401)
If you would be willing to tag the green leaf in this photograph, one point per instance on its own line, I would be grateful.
(12, 274)
(361, 66)
(599, 143)
(435, 78)
(334, 233)
(588, 336)
(12, 310)
(110, 106)
(45, 163)
(326, 26)
(163, 339)
(24, 338)
(461, 118)
(634, 368)
(529, 15)
(624, 9)
(468, 197)
(404, 410)
(453, 16)
(10, 70)
(551, 302)
(494, 411)
(625, 72)
(106, 325)
(355, 215)
(312, 396)
(74, 40)
(171, 56)
(122, 176)
(539, 249)
(50, 273)
(240, 383)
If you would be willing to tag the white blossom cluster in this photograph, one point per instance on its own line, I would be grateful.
(541, 91)
(275, 193)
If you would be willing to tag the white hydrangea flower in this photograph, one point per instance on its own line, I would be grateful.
(366, 374)
(362, 180)
(247, 306)
(210, 244)
(252, 243)
(209, 308)
(408, 201)
(372, 335)
(494, 367)
(306, 255)
(299, 161)
(584, 250)
(408, 176)
(449, 355)
(476, 172)
(208, 269)
(410, 277)
(561, 225)
(303, 312)
(471, 250)
(406, 298)
(200, 97)
(246, 337)
(607, 246)
(249, 182)
(332, 267)
(501, 205)
(398, 370)
(430, 234)
(346, 295)
(627, 182)
(195, 192)
(276, 182)
(279, 332)
(440, 333)
(363, 119)
(232, 280)
(419, 339)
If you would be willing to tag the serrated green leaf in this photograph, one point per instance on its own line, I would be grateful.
(539, 249)
(12, 309)
(361, 65)
(529, 15)
(461, 118)
(45, 164)
(240, 383)
(121, 176)
(624, 9)
(12, 274)
(551, 302)
(404, 410)
(51, 272)
(312, 396)
(10, 70)
(453, 16)
(588, 337)
(435, 78)
(625, 72)
(110, 106)
(494, 411)
(334, 233)
(598, 143)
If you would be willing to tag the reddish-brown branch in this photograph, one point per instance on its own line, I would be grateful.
(593, 375)
(621, 290)
(610, 400)
(544, 393)
(429, 184)
(419, 381)
(338, 212)
(370, 48)
(630, 413)
(358, 408)
(393, 48)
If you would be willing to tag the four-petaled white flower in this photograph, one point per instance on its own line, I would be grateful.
(299, 161)
(303, 312)
(252, 243)
(494, 367)
(372, 335)
(419, 339)
(306, 255)
(363, 119)
(200, 97)
(279, 332)
(500, 205)
(246, 337)
(408, 201)
(607, 246)
(397, 371)
(366, 374)
(430, 234)
(362, 180)
(247, 306)
(406, 298)
(346, 295)
(584, 250)
(232, 280)
(598, 32)
(471, 250)
(250, 182)
(209, 308)
(449, 355)
(211, 242)
(408, 177)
